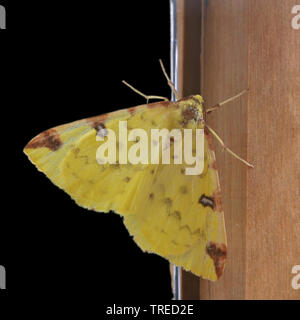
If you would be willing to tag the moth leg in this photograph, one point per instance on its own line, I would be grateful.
(144, 95)
(226, 148)
(218, 105)
(170, 83)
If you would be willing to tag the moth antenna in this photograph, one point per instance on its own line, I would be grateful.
(218, 105)
(226, 148)
(170, 83)
(142, 94)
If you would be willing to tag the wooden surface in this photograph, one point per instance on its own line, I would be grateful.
(273, 210)
(250, 44)
(189, 13)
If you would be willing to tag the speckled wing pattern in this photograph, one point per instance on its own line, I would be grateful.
(166, 211)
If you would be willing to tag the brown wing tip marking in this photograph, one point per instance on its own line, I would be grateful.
(218, 252)
(49, 139)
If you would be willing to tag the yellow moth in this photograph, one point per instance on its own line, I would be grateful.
(174, 215)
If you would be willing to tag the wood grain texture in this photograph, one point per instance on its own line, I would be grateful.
(251, 44)
(189, 14)
(224, 75)
(273, 210)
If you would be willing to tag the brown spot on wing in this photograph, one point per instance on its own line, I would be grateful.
(218, 252)
(168, 202)
(99, 126)
(160, 104)
(186, 227)
(218, 200)
(95, 121)
(213, 165)
(49, 139)
(183, 189)
(207, 201)
(131, 110)
(151, 196)
(176, 214)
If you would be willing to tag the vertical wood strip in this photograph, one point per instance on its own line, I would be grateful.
(273, 209)
(225, 74)
(189, 17)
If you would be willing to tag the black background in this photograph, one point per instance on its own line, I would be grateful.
(62, 62)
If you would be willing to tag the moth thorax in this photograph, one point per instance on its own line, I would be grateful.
(192, 110)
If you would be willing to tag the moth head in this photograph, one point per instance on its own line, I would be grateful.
(192, 110)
